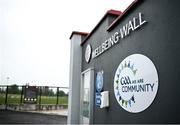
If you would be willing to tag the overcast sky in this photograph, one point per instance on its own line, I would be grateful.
(34, 37)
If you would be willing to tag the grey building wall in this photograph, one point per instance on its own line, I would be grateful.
(159, 40)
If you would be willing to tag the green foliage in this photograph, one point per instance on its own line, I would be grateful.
(2, 89)
(61, 93)
(13, 89)
(46, 91)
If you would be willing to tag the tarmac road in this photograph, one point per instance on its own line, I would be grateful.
(14, 117)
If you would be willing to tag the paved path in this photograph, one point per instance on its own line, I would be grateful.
(14, 117)
(62, 112)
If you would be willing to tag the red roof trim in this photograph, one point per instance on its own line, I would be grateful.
(120, 16)
(78, 33)
(112, 12)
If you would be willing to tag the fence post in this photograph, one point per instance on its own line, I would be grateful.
(21, 94)
(6, 97)
(57, 96)
(40, 92)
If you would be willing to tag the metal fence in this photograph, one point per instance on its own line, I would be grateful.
(45, 96)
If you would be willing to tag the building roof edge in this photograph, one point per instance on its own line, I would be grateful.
(120, 16)
(78, 33)
(109, 12)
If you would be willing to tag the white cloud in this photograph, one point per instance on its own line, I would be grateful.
(34, 36)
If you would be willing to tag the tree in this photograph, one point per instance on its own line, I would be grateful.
(46, 91)
(51, 93)
(13, 89)
(61, 93)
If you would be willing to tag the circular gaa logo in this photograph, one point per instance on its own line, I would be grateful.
(135, 83)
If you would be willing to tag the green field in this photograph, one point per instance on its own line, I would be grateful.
(16, 99)
(53, 100)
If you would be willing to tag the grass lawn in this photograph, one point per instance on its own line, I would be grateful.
(2, 98)
(15, 99)
(53, 100)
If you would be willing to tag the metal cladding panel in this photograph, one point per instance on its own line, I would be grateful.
(159, 40)
(74, 80)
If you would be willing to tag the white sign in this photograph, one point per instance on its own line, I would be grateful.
(131, 26)
(88, 53)
(135, 83)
